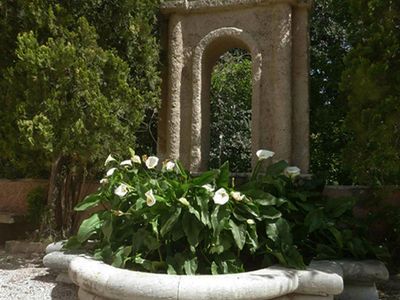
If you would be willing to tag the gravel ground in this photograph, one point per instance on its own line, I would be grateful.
(23, 277)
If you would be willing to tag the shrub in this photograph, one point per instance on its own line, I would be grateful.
(36, 205)
(372, 82)
(164, 220)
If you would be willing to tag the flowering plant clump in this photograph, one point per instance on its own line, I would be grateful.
(156, 217)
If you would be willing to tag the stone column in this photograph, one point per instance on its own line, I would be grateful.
(279, 77)
(300, 92)
(176, 63)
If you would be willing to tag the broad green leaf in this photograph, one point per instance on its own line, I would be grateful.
(89, 202)
(89, 227)
(277, 168)
(269, 212)
(338, 236)
(171, 221)
(192, 228)
(121, 256)
(279, 232)
(239, 234)
(252, 237)
(294, 259)
(107, 229)
(202, 202)
(214, 268)
(315, 220)
(206, 177)
(190, 266)
(222, 179)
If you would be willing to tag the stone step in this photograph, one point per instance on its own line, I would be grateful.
(9, 218)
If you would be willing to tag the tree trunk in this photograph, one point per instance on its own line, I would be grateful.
(65, 188)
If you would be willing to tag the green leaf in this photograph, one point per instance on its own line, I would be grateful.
(338, 236)
(279, 232)
(190, 266)
(223, 177)
(315, 220)
(252, 237)
(89, 227)
(239, 234)
(192, 228)
(214, 268)
(171, 221)
(202, 202)
(270, 213)
(277, 168)
(205, 178)
(89, 202)
(121, 256)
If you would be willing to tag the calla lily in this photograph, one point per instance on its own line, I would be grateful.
(150, 199)
(292, 171)
(121, 190)
(221, 197)
(237, 196)
(208, 187)
(184, 201)
(127, 162)
(151, 162)
(264, 154)
(136, 159)
(109, 159)
(104, 181)
(169, 166)
(250, 221)
(110, 172)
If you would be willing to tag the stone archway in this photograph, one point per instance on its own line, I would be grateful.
(210, 48)
(275, 32)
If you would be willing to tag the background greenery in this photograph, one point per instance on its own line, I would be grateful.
(125, 31)
(354, 84)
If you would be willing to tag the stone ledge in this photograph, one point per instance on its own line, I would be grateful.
(24, 247)
(356, 271)
(102, 281)
(182, 6)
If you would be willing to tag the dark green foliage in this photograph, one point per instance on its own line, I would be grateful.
(37, 199)
(372, 82)
(230, 97)
(329, 45)
(120, 32)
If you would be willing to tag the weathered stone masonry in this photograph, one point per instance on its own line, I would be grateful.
(275, 33)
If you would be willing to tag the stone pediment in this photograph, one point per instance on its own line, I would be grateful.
(207, 5)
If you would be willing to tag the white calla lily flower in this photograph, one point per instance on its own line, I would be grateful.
(184, 201)
(221, 197)
(238, 196)
(250, 221)
(109, 159)
(104, 181)
(292, 171)
(136, 159)
(127, 162)
(208, 187)
(169, 166)
(150, 199)
(110, 172)
(151, 162)
(264, 154)
(121, 190)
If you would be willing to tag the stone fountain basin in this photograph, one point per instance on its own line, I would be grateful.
(322, 280)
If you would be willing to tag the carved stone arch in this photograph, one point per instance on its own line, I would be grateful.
(275, 32)
(224, 39)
